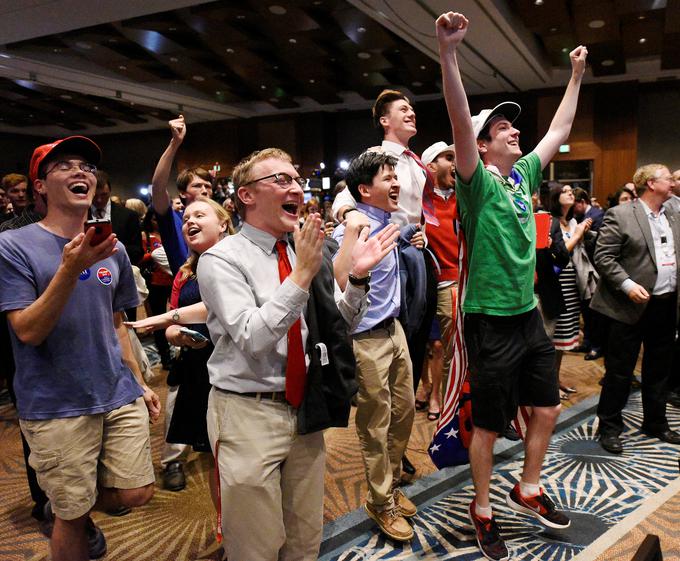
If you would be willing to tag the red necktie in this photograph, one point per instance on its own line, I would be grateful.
(296, 369)
(428, 190)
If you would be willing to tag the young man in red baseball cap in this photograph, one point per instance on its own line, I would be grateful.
(80, 395)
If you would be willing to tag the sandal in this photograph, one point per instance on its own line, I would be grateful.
(433, 415)
(423, 404)
(563, 396)
(567, 389)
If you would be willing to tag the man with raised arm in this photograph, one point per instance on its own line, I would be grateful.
(511, 358)
(191, 183)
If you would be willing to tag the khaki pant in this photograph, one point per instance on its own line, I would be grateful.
(385, 407)
(271, 479)
(447, 300)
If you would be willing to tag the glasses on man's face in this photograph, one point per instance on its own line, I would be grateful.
(68, 165)
(281, 179)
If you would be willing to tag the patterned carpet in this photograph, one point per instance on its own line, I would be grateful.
(180, 526)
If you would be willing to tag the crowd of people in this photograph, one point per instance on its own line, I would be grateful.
(282, 312)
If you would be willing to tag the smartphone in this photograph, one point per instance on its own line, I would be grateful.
(102, 230)
(196, 336)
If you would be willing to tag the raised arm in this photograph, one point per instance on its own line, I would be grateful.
(451, 28)
(161, 175)
(560, 127)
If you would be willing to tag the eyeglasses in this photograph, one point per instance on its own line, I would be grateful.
(281, 179)
(66, 165)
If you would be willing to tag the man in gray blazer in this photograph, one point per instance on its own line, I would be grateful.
(637, 258)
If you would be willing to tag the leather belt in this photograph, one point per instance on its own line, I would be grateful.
(271, 396)
(384, 324)
(666, 296)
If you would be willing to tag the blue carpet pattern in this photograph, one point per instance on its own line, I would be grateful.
(595, 488)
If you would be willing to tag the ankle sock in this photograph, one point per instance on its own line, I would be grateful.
(529, 489)
(483, 512)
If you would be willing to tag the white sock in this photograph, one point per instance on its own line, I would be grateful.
(529, 489)
(483, 511)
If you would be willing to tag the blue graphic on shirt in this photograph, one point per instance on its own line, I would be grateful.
(84, 275)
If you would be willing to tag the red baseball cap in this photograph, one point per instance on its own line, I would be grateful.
(80, 145)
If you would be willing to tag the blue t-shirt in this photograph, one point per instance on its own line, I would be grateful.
(78, 369)
(170, 229)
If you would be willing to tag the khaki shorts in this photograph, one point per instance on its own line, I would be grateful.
(72, 456)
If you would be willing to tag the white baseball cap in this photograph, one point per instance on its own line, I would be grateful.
(430, 154)
(509, 109)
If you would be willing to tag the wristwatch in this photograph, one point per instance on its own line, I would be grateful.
(344, 214)
(175, 316)
(356, 281)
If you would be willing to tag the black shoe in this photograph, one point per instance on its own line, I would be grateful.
(173, 477)
(96, 542)
(488, 536)
(122, 510)
(38, 512)
(611, 443)
(592, 355)
(667, 435)
(581, 349)
(674, 399)
(510, 433)
(407, 466)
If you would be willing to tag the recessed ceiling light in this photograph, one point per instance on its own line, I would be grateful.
(565, 50)
(642, 16)
(311, 80)
(112, 40)
(96, 108)
(596, 24)
(642, 40)
(173, 59)
(172, 29)
(276, 67)
(56, 50)
(538, 2)
(365, 74)
(277, 10)
(62, 111)
(364, 56)
(240, 16)
(361, 30)
(83, 45)
(608, 62)
(198, 78)
(122, 67)
(66, 96)
(416, 84)
(423, 67)
(293, 41)
(230, 51)
(273, 99)
(263, 87)
(553, 29)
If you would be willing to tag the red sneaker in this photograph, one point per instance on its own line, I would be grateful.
(540, 507)
(488, 536)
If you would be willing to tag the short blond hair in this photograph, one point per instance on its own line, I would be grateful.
(643, 175)
(138, 206)
(242, 172)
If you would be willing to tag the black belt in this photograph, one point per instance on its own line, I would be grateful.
(271, 396)
(384, 324)
(666, 296)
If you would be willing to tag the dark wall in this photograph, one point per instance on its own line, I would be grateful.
(328, 137)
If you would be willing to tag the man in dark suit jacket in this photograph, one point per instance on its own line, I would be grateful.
(637, 258)
(124, 222)
(583, 209)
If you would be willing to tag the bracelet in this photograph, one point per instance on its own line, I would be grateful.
(344, 214)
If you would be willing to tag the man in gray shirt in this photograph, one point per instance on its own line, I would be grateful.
(283, 368)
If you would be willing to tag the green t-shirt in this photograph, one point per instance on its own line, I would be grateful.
(498, 224)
